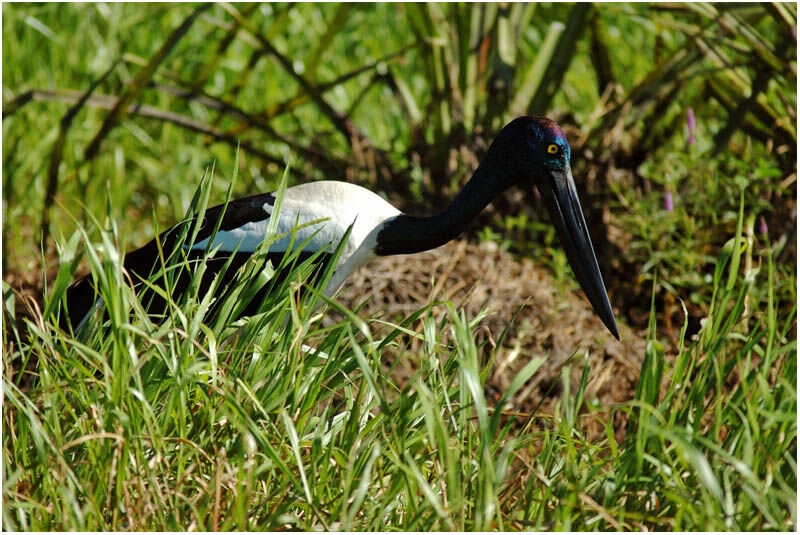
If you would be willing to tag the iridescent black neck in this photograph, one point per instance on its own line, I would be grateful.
(407, 234)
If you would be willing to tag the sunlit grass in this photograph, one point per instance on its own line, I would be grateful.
(278, 422)
(283, 422)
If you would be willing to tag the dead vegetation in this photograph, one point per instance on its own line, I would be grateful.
(552, 323)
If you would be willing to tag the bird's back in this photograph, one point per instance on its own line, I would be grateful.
(317, 214)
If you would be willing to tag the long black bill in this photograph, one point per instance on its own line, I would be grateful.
(561, 198)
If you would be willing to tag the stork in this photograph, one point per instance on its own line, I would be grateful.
(528, 151)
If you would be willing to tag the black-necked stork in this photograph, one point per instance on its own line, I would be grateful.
(527, 151)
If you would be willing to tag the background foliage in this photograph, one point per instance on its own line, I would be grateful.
(408, 110)
(682, 120)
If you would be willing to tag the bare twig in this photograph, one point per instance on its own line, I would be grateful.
(222, 45)
(11, 107)
(241, 81)
(345, 127)
(140, 82)
(324, 87)
(109, 102)
(366, 155)
(329, 161)
(58, 149)
(363, 149)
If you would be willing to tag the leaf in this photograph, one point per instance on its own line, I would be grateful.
(334, 27)
(561, 57)
(66, 271)
(534, 76)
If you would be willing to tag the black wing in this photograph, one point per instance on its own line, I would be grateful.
(145, 264)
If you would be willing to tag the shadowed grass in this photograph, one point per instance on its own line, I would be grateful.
(277, 422)
(281, 422)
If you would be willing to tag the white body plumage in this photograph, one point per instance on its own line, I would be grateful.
(321, 211)
(528, 151)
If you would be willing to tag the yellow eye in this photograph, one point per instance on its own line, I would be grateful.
(552, 148)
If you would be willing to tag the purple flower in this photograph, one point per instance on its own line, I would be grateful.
(762, 226)
(691, 124)
(668, 200)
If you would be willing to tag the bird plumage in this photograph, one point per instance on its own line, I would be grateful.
(316, 214)
(528, 151)
(321, 212)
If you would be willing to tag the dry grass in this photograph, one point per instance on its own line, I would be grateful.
(552, 323)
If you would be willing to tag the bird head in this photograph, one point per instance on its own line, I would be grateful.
(536, 151)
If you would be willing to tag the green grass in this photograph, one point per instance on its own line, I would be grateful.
(279, 422)
(283, 422)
